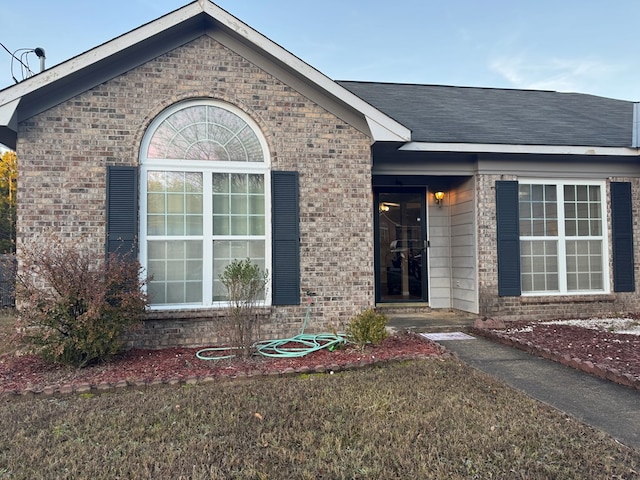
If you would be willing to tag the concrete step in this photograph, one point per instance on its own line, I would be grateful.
(430, 322)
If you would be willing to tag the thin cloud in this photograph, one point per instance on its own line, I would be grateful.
(565, 75)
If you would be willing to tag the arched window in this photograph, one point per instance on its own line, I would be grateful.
(207, 132)
(204, 196)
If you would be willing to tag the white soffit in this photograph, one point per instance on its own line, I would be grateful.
(380, 132)
(532, 149)
(383, 128)
(8, 115)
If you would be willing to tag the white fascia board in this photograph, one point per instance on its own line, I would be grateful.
(98, 53)
(382, 133)
(534, 149)
(383, 127)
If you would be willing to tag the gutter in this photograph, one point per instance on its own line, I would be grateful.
(635, 142)
(526, 149)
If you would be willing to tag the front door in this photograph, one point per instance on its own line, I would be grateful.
(400, 246)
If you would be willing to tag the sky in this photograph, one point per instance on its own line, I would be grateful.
(586, 46)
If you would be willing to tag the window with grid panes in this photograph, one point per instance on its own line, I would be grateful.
(204, 201)
(562, 237)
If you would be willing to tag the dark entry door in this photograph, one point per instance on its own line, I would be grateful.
(401, 262)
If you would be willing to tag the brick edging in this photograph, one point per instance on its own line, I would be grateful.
(106, 387)
(586, 366)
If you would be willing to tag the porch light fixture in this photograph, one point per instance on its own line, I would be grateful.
(439, 197)
(386, 206)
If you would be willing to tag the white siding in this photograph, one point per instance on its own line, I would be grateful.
(439, 253)
(452, 252)
(464, 290)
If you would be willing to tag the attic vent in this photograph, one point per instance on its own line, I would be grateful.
(636, 126)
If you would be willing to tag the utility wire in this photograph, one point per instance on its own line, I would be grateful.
(17, 59)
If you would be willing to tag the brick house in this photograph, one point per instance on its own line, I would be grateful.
(195, 140)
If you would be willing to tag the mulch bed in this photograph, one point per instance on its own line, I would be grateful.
(608, 355)
(613, 356)
(28, 374)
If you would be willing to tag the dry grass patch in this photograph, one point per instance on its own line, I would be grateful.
(424, 419)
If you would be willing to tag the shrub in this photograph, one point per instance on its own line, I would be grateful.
(367, 327)
(75, 308)
(246, 286)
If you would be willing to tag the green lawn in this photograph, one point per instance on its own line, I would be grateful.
(415, 420)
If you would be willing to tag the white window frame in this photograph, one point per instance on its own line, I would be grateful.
(562, 238)
(207, 168)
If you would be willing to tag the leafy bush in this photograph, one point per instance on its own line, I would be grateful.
(76, 308)
(246, 286)
(367, 327)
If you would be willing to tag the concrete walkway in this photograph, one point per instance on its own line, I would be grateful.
(605, 405)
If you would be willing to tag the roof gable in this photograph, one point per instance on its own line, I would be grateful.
(57, 84)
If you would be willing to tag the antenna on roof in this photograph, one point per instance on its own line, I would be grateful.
(40, 54)
(24, 61)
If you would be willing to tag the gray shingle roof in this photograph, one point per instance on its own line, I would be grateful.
(448, 114)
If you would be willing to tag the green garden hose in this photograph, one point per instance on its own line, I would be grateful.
(298, 346)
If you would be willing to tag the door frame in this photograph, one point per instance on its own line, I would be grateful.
(422, 191)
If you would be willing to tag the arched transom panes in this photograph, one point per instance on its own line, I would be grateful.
(204, 201)
(205, 132)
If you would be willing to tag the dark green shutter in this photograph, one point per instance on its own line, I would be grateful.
(622, 235)
(122, 211)
(285, 271)
(508, 230)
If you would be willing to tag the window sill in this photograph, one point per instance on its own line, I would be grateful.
(584, 298)
(196, 313)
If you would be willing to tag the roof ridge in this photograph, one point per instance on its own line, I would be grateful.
(470, 87)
